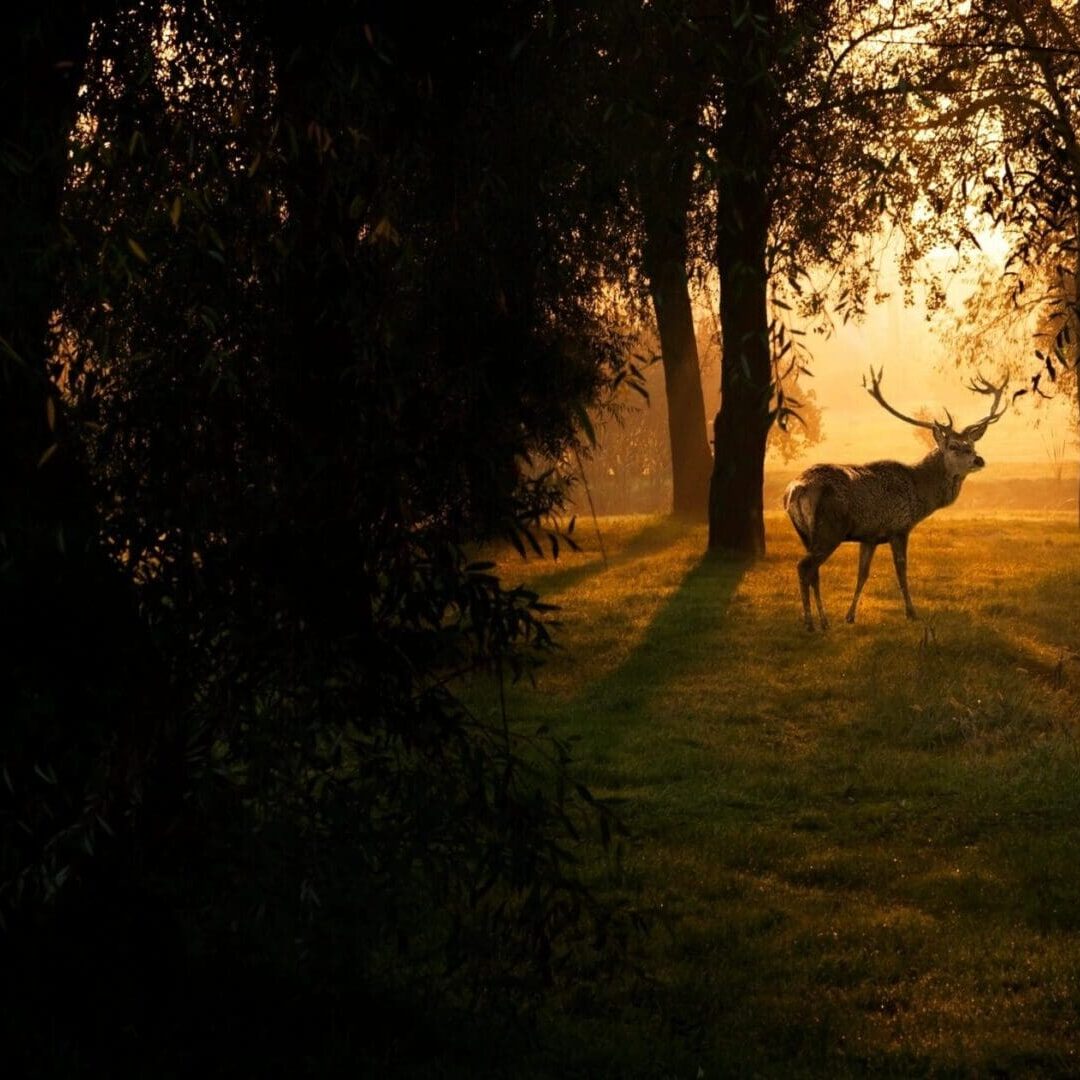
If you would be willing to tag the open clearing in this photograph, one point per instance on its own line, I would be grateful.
(862, 847)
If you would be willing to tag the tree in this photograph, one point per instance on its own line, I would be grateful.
(665, 66)
(1011, 69)
(313, 324)
(795, 187)
(754, 118)
(69, 691)
(91, 751)
(634, 82)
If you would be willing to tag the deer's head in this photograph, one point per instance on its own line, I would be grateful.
(957, 448)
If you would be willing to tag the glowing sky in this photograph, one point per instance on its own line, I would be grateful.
(919, 373)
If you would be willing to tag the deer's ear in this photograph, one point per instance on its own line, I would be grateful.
(941, 435)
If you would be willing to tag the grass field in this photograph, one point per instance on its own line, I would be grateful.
(862, 847)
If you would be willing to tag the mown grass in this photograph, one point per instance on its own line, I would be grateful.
(862, 848)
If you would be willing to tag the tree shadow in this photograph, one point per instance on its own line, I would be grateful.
(681, 636)
(648, 540)
(990, 840)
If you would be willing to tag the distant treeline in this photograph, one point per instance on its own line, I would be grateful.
(1022, 486)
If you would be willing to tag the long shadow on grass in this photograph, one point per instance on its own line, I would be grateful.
(965, 815)
(651, 538)
(681, 637)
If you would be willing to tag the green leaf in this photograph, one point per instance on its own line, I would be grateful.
(515, 52)
(585, 422)
(47, 774)
(385, 232)
(10, 353)
(137, 249)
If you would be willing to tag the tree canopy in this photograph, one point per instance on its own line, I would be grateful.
(308, 322)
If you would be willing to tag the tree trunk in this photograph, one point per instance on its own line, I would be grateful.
(745, 149)
(742, 425)
(1076, 376)
(665, 265)
(1075, 327)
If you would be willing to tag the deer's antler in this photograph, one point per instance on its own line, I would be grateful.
(874, 390)
(982, 385)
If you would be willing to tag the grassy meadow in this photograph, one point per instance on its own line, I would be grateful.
(861, 848)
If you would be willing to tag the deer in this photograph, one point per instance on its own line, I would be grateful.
(882, 501)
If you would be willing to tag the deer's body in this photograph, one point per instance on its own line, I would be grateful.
(877, 503)
(870, 503)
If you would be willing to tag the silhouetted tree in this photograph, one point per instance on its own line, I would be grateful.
(797, 186)
(1012, 68)
(311, 323)
(659, 81)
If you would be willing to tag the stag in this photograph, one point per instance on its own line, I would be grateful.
(883, 500)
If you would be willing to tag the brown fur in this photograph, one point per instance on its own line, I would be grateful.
(872, 504)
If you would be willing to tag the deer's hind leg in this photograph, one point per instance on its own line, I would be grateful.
(866, 553)
(806, 573)
(810, 578)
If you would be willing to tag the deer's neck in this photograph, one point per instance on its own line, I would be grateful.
(935, 485)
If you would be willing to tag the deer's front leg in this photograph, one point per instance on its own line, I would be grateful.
(899, 554)
(866, 553)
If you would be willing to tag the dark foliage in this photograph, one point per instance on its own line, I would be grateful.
(313, 324)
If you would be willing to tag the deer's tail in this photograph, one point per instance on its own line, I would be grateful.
(800, 501)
